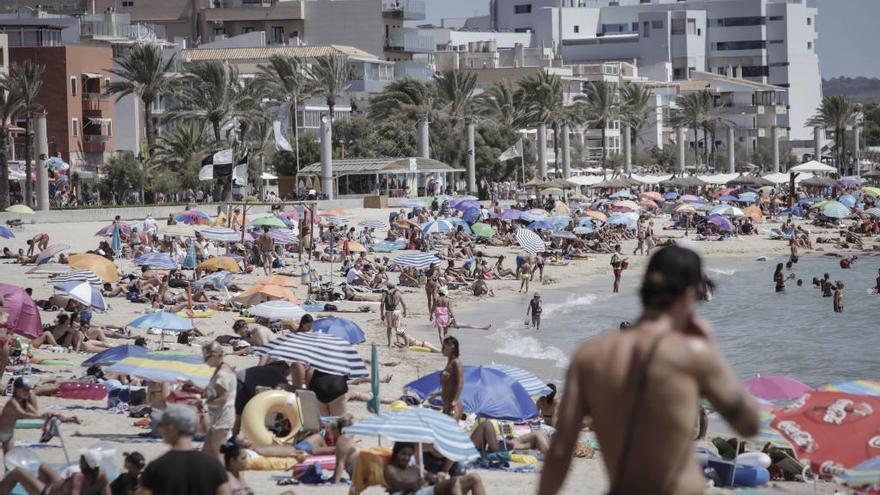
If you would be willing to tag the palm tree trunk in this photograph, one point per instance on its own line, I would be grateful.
(148, 124)
(604, 147)
(28, 169)
(556, 149)
(696, 144)
(4, 170)
(215, 125)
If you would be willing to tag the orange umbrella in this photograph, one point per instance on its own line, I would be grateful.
(652, 195)
(220, 263)
(353, 246)
(754, 213)
(598, 215)
(262, 293)
(105, 269)
(332, 212)
(281, 280)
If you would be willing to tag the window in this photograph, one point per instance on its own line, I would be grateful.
(777, 18)
(219, 31)
(246, 30)
(278, 34)
(756, 71)
(74, 127)
(691, 26)
(657, 24)
(809, 45)
(577, 29)
(635, 27)
(740, 21)
(684, 26)
(109, 128)
(740, 45)
(72, 86)
(646, 28)
(128, 3)
(777, 42)
(678, 73)
(525, 8)
(809, 21)
(677, 26)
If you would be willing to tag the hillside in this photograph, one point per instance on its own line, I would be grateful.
(862, 89)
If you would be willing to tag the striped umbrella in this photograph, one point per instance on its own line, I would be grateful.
(874, 212)
(420, 261)
(115, 354)
(420, 425)
(160, 261)
(533, 385)
(180, 231)
(193, 217)
(563, 234)
(530, 241)
(277, 310)
(6, 233)
(83, 292)
(221, 234)
(325, 353)
(373, 224)
(50, 252)
(438, 227)
(860, 387)
(107, 230)
(283, 236)
(268, 222)
(534, 215)
(336, 220)
(165, 366)
(835, 209)
(583, 230)
(78, 276)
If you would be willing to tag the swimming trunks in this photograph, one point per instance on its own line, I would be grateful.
(5, 436)
(328, 387)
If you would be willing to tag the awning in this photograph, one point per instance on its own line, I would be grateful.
(92, 75)
(100, 121)
(372, 166)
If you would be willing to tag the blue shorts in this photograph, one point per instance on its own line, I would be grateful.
(304, 446)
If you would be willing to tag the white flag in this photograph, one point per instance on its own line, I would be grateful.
(279, 126)
(240, 174)
(514, 151)
(206, 172)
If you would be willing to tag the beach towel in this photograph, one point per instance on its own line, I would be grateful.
(370, 467)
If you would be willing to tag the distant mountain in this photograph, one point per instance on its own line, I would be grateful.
(863, 89)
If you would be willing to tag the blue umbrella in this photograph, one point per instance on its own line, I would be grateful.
(471, 215)
(835, 210)
(748, 197)
(458, 222)
(511, 214)
(420, 425)
(341, 328)
(670, 195)
(533, 385)
(163, 320)
(585, 222)
(560, 221)
(728, 197)
(160, 261)
(621, 220)
(847, 200)
(465, 204)
(115, 354)
(287, 221)
(6, 233)
(387, 246)
(116, 242)
(542, 225)
(488, 392)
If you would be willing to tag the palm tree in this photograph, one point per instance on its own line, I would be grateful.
(501, 103)
(25, 81)
(176, 150)
(330, 76)
(146, 75)
(283, 81)
(455, 89)
(541, 97)
(211, 92)
(635, 107)
(838, 113)
(10, 106)
(401, 96)
(694, 111)
(599, 105)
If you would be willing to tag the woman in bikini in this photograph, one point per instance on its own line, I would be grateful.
(441, 313)
(547, 405)
(451, 380)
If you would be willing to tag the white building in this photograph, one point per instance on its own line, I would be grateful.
(765, 41)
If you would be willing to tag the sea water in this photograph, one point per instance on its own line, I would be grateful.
(794, 333)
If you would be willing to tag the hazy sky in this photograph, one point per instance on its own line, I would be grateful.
(848, 32)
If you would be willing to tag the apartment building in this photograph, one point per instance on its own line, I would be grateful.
(764, 41)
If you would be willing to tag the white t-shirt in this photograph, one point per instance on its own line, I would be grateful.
(352, 275)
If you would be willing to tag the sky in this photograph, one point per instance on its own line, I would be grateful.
(848, 32)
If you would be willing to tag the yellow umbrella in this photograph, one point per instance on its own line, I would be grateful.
(219, 220)
(754, 213)
(353, 246)
(686, 208)
(20, 209)
(105, 269)
(873, 191)
(220, 263)
(561, 208)
(281, 280)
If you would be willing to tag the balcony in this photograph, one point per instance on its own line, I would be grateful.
(115, 30)
(96, 102)
(95, 143)
(408, 40)
(408, 10)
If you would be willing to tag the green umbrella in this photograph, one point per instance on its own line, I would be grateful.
(555, 191)
(269, 222)
(373, 403)
(483, 230)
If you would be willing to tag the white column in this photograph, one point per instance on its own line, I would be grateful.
(41, 148)
(818, 143)
(731, 149)
(857, 149)
(327, 157)
(424, 138)
(542, 151)
(566, 152)
(627, 149)
(471, 157)
(774, 137)
(680, 137)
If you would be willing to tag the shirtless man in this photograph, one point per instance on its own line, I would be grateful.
(524, 273)
(39, 241)
(266, 248)
(389, 312)
(641, 386)
(254, 334)
(402, 477)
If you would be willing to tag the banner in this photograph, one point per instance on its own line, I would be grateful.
(280, 127)
(514, 151)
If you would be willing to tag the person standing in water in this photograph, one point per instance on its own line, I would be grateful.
(838, 297)
(535, 309)
(779, 278)
(642, 387)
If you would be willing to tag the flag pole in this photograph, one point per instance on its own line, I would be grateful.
(522, 159)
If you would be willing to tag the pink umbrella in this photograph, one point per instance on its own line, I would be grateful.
(292, 214)
(23, 313)
(775, 387)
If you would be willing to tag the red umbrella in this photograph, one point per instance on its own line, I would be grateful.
(832, 430)
(23, 315)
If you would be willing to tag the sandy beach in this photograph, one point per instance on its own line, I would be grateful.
(101, 426)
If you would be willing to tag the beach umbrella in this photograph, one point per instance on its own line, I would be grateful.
(483, 230)
(670, 195)
(458, 222)
(859, 387)
(647, 203)
(561, 208)
(373, 224)
(686, 208)
(193, 217)
(542, 225)
(277, 310)
(511, 214)
(99, 265)
(331, 212)
(107, 231)
(773, 387)
(341, 328)
(583, 230)
(115, 354)
(754, 213)
(690, 198)
(420, 261)
(747, 197)
(270, 221)
(20, 209)
(282, 280)
(334, 220)
(353, 246)
(625, 205)
(262, 293)
(836, 210)
(165, 366)
(560, 221)
(873, 191)
(831, 430)
(866, 473)
(159, 261)
(51, 252)
(420, 425)
(722, 223)
(552, 191)
(283, 236)
(471, 215)
(465, 204)
(874, 212)
(83, 292)
(163, 320)
(622, 220)
(652, 195)
(728, 197)
(288, 223)
(221, 234)
(437, 227)
(533, 385)
(563, 234)
(530, 241)
(218, 263)
(6, 233)
(821, 204)
(534, 215)
(322, 352)
(22, 313)
(218, 280)
(726, 210)
(623, 194)
(487, 392)
(596, 215)
(182, 231)
(387, 246)
(78, 276)
(847, 200)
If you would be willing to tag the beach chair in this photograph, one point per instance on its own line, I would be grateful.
(309, 411)
(15, 223)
